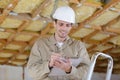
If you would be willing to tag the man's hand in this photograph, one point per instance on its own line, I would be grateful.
(58, 61)
(54, 57)
(63, 64)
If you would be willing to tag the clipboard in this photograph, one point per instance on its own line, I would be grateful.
(59, 72)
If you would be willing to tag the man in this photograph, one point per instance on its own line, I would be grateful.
(57, 50)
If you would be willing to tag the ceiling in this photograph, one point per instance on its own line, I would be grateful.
(23, 21)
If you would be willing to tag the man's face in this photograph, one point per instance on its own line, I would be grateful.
(62, 28)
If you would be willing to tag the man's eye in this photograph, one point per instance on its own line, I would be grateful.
(61, 24)
(68, 25)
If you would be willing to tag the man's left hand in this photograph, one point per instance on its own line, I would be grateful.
(63, 64)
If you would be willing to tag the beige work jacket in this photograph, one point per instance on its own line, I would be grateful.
(40, 54)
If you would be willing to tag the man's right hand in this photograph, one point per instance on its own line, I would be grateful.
(53, 58)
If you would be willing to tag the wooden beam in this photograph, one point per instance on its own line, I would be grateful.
(91, 41)
(10, 38)
(30, 33)
(99, 12)
(116, 71)
(91, 48)
(115, 55)
(20, 16)
(107, 39)
(84, 2)
(1, 10)
(1, 58)
(90, 35)
(107, 50)
(4, 60)
(9, 51)
(20, 60)
(3, 42)
(27, 53)
(19, 43)
(108, 28)
(96, 27)
(39, 9)
(103, 70)
(100, 70)
(74, 1)
(46, 29)
(113, 30)
(24, 25)
(93, 4)
(9, 8)
(10, 64)
(32, 41)
(112, 22)
(76, 28)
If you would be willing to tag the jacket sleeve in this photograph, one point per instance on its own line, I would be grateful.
(37, 68)
(78, 73)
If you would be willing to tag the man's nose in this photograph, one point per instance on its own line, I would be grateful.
(64, 27)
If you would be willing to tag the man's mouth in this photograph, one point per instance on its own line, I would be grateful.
(63, 32)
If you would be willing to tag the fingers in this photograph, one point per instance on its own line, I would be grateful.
(54, 57)
(66, 66)
(58, 61)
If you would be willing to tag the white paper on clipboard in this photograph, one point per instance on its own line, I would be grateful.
(59, 72)
(75, 61)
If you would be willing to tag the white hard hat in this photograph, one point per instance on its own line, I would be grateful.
(65, 13)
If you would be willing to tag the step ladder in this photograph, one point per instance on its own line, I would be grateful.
(92, 65)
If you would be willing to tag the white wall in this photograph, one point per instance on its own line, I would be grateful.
(10, 73)
(16, 73)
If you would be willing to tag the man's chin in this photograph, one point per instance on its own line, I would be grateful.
(63, 36)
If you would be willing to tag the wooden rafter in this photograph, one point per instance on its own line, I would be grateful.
(107, 26)
(31, 42)
(98, 13)
(5, 60)
(106, 39)
(12, 35)
(9, 51)
(24, 25)
(91, 48)
(29, 33)
(90, 35)
(115, 55)
(22, 44)
(9, 8)
(92, 4)
(75, 29)
(39, 9)
(74, 1)
(113, 30)
(107, 50)
(46, 30)
(3, 42)
(23, 17)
